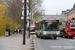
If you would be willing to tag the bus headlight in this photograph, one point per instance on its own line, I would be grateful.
(58, 32)
(44, 33)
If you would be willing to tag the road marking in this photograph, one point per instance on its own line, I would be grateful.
(68, 47)
(62, 47)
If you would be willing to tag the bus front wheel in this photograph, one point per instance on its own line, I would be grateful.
(70, 36)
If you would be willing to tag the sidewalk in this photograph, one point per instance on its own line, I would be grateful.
(14, 42)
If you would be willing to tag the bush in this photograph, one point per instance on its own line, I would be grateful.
(2, 32)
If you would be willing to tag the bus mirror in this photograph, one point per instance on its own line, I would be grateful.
(41, 22)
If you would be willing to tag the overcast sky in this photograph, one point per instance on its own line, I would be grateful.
(57, 6)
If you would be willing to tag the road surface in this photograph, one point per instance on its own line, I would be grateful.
(55, 44)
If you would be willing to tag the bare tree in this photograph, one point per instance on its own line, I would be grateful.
(14, 10)
(36, 8)
(35, 5)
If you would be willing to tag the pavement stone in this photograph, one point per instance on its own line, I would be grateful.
(14, 42)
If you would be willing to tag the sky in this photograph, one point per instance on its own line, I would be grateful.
(57, 6)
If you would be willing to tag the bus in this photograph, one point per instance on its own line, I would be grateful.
(47, 28)
(32, 29)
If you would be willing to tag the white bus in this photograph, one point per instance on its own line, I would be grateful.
(47, 28)
(32, 29)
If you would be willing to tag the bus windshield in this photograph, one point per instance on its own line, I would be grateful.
(72, 24)
(51, 26)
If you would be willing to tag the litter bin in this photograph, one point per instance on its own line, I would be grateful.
(8, 30)
(6, 33)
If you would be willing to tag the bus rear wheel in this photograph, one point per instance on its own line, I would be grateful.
(61, 36)
(55, 37)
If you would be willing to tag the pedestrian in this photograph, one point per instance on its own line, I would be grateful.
(14, 31)
(20, 31)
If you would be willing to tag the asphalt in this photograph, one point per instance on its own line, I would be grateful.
(55, 44)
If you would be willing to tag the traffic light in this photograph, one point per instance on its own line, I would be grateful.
(25, 25)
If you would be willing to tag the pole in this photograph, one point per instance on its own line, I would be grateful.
(25, 14)
(29, 28)
(29, 6)
(29, 20)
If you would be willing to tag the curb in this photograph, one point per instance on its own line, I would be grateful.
(35, 44)
(32, 44)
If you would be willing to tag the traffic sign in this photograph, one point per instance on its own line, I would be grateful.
(23, 12)
(22, 1)
(23, 7)
(26, 18)
(22, 17)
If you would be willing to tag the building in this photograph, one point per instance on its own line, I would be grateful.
(70, 13)
(60, 17)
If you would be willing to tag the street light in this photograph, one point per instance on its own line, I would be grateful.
(29, 20)
(25, 14)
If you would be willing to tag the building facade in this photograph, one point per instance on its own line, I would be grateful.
(60, 17)
(70, 13)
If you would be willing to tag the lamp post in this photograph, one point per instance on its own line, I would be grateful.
(25, 14)
(29, 28)
(29, 20)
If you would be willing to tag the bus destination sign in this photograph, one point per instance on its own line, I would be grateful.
(50, 20)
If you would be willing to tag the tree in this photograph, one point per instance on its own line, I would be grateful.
(5, 22)
(36, 8)
(11, 25)
(14, 10)
(35, 5)
(2, 19)
(36, 16)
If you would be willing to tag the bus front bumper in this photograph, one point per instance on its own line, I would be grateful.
(50, 35)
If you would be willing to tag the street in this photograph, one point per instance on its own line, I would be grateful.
(55, 44)
(37, 24)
